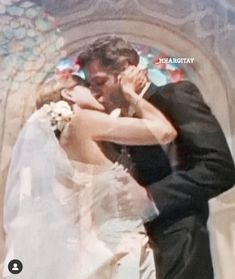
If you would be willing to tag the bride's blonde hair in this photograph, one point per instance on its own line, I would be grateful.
(51, 90)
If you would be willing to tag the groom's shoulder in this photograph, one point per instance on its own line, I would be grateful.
(177, 87)
(182, 90)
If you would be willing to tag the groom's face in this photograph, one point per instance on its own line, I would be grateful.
(104, 85)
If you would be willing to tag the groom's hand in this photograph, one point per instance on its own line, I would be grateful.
(132, 80)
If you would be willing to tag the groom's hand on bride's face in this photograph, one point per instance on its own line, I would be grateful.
(82, 96)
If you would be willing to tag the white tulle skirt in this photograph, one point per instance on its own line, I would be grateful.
(78, 231)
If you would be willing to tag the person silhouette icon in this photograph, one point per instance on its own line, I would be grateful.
(15, 267)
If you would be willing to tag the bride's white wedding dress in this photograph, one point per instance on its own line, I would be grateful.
(63, 219)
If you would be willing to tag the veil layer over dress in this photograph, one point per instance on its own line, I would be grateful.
(62, 218)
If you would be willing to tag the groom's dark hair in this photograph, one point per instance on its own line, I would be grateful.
(111, 51)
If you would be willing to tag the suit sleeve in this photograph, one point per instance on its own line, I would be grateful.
(208, 166)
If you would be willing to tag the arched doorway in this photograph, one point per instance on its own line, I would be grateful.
(205, 71)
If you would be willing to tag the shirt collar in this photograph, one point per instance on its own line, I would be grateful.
(145, 89)
(151, 90)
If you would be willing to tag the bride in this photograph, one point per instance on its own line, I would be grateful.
(69, 211)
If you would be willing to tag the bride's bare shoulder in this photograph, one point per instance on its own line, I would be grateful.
(87, 118)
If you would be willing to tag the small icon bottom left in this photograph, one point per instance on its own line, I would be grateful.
(15, 266)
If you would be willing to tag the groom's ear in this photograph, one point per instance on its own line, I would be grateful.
(67, 96)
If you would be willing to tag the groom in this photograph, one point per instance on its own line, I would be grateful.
(182, 177)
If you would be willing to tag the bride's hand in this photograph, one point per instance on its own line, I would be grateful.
(132, 81)
(82, 96)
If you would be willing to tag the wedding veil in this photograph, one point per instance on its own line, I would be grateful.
(35, 221)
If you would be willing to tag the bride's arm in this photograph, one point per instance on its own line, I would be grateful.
(153, 128)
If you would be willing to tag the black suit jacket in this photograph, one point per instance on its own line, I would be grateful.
(204, 166)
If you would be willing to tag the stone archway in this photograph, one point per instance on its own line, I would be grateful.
(205, 72)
